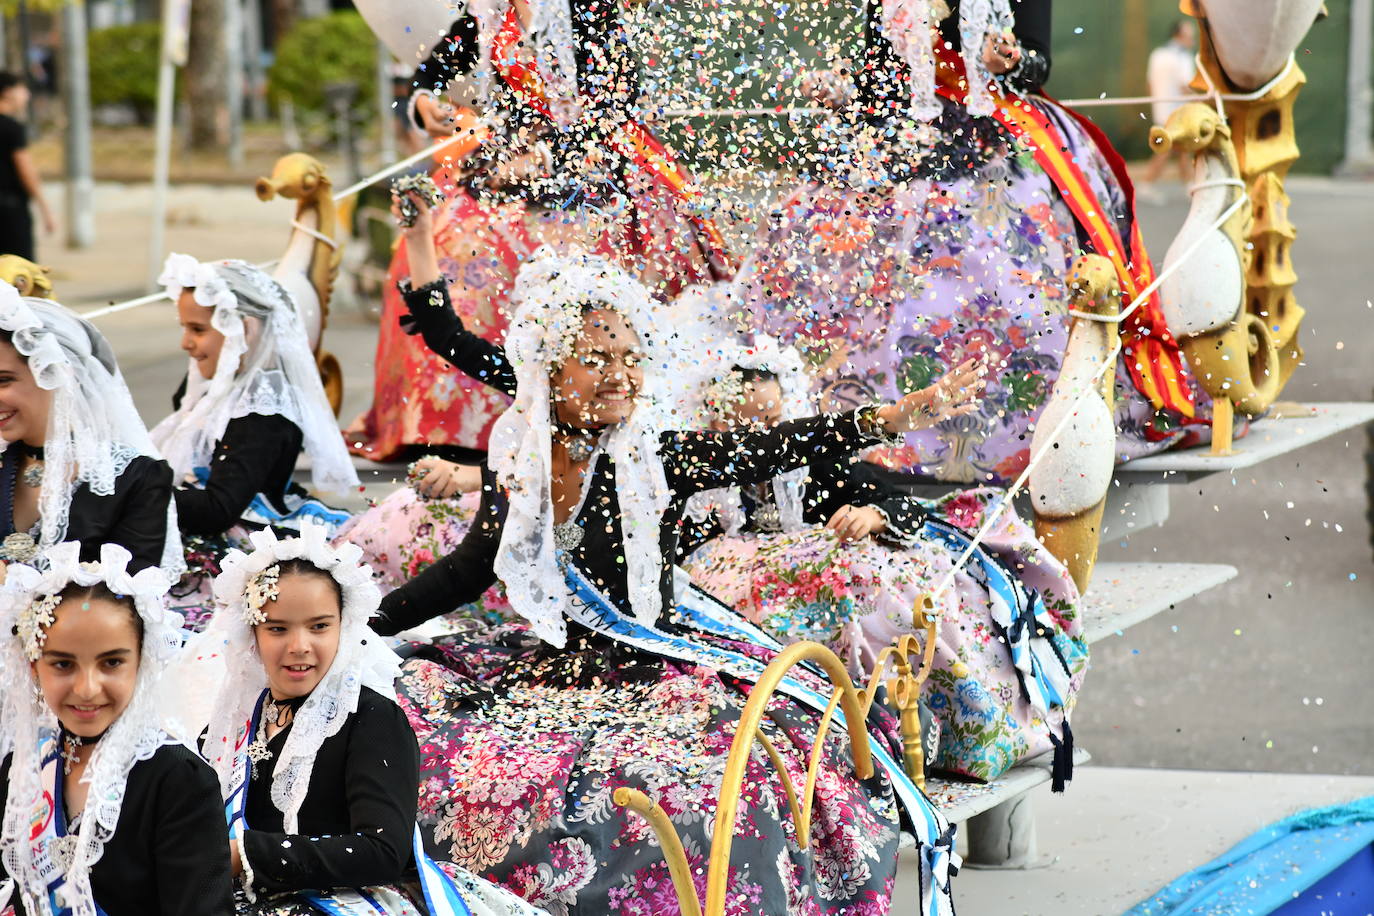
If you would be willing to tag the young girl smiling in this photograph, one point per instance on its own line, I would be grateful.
(104, 812)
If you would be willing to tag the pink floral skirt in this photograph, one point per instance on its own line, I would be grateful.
(858, 597)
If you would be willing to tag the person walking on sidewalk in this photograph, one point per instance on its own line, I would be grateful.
(19, 184)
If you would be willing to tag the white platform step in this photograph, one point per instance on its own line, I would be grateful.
(1123, 594)
(1292, 427)
(960, 801)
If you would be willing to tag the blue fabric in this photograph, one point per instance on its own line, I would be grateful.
(1277, 867)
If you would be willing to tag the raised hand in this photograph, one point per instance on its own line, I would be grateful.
(954, 394)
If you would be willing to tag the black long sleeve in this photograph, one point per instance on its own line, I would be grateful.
(455, 579)
(358, 817)
(848, 482)
(695, 461)
(255, 455)
(133, 516)
(432, 314)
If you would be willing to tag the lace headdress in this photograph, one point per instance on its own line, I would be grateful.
(725, 390)
(551, 293)
(225, 659)
(26, 601)
(94, 429)
(265, 367)
(909, 25)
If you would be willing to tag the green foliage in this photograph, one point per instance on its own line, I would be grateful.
(316, 52)
(123, 63)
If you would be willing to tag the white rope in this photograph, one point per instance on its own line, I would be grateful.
(346, 192)
(316, 234)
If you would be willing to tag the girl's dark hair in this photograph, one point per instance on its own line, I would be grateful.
(102, 592)
(302, 567)
(755, 375)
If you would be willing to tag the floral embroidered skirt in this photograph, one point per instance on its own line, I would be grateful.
(888, 290)
(523, 746)
(858, 597)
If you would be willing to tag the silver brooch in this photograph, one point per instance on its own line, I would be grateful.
(567, 536)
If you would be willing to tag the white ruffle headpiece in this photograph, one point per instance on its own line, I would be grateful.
(768, 355)
(135, 735)
(94, 429)
(909, 25)
(225, 658)
(265, 367)
(551, 293)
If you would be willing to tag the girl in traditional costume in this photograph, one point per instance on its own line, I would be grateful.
(631, 680)
(833, 553)
(952, 232)
(561, 159)
(317, 764)
(105, 814)
(251, 405)
(76, 462)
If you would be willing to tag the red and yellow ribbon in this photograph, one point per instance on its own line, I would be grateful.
(1153, 357)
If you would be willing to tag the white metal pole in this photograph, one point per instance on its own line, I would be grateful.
(1359, 94)
(162, 156)
(76, 87)
(233, 66)
(386, 120)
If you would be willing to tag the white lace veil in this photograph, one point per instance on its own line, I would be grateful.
(768, 355)
(135, 735)
(94, 429)
(265, 367)
(908, 24)
(550, 295)
(225, 659)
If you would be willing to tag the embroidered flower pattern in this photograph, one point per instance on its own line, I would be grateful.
(33, 623)
(262, 588)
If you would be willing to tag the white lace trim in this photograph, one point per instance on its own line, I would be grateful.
(265, 367)
(134, 737)
(549, 293)
(226, 655)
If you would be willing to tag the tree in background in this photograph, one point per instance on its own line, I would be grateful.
(206, 75)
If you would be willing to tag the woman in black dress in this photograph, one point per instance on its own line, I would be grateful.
(76, 462)
(105, 814)
(632, 681)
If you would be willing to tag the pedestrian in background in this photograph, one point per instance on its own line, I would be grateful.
(1170, 70)
(19, 184)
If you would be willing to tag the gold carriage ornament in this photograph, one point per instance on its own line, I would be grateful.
(1233, 310)
(904, 691)
(24, 275)
(308, 268)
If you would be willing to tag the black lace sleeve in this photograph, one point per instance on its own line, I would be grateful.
(455, 579)
(694, 461)
(433, 318)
